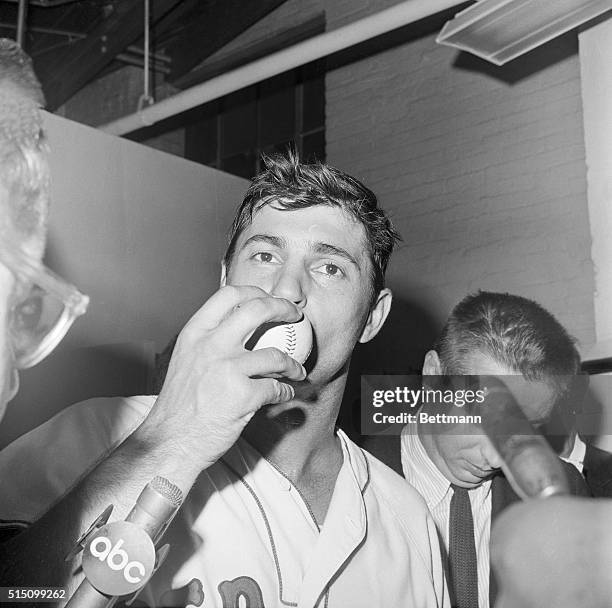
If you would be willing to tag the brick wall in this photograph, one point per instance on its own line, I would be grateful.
(481, 168)
(485, 179)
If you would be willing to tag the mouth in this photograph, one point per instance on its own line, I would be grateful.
(313, 354)
(479, 471)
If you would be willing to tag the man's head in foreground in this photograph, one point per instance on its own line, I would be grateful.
(36, 308)
(24, 188)
(315, 236)
(515, 339)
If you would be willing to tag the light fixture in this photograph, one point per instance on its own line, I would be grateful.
(500, 30)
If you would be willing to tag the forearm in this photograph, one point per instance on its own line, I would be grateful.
(36, 556)
(213, 388)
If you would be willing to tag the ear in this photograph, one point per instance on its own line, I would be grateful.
(431, 364)
(223, 279)
(377, 316)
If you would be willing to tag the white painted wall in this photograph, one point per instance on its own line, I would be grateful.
(595, 45)
(596, 83)
(142, 233)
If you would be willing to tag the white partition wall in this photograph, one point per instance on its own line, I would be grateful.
(142, 233)
(596, 84)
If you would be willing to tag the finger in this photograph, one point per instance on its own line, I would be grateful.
(270, 362)
(221, 303)
(268, 391)
(249, 315)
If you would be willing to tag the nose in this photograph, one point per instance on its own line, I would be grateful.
(491, 455)
(289, 283)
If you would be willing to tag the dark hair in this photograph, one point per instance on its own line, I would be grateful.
(515, 331)
(289, 184)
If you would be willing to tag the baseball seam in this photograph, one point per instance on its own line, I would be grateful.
(291, 339)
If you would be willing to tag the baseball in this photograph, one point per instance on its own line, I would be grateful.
(294, 339)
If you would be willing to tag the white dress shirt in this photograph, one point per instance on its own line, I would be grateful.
(425, 477)
(577, 454)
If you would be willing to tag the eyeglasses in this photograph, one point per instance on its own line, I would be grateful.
(43, 311)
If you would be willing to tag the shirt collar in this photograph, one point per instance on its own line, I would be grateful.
(419, 469)
(244, 458)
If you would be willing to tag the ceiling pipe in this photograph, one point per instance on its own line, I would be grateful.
(21, 21)
(304, 52)
(47, 3)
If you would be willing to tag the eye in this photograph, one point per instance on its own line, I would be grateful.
(330, 270)
(540, 424)
(263, 256)
(27, 314)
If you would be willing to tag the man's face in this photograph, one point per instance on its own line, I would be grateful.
(317, 258)
(8, 287)
(469, 460)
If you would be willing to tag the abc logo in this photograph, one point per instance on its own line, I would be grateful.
(119, 559)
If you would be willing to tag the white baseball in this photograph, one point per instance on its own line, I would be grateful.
(294, 339)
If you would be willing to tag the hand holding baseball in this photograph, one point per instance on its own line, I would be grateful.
(214, 385)
(294, 339)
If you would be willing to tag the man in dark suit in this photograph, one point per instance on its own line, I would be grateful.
(598, 471)
(455, 467)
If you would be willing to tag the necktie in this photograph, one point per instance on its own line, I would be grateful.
(463, 571)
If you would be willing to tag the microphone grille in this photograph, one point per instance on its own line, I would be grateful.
(168, 490)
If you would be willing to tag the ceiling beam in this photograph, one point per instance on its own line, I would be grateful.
(64, 72)
(218, 22)
(277, 42)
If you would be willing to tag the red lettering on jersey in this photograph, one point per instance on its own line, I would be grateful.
(243, 586)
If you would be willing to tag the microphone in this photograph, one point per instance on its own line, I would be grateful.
(529, 463)
(119, 558)
(155, 507)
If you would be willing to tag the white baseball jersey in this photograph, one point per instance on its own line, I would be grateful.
(244, 535)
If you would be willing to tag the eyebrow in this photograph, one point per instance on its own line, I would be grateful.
(539, 421)
(317, 247)
(275, 241)
(543, 417)
(327, 249)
